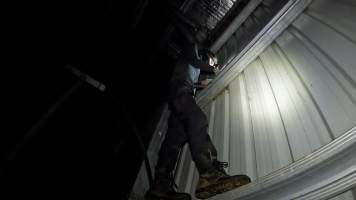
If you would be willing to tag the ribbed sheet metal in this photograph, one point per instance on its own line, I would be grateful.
(348, 195)
(297, 96)
(260, 14)
(209, 13)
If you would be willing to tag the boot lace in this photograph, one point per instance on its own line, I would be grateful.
(220, 166)
(172, 185)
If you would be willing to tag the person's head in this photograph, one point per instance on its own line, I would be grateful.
(201, 34)
(207, 56)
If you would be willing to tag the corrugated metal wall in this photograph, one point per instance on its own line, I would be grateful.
(297, 96)
(142, 182)
(263, 12)
(209, 13)
(348, 195)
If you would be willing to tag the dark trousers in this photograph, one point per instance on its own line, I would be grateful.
(187, 123)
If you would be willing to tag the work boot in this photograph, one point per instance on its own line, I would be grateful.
(162, 189)
(216, 181)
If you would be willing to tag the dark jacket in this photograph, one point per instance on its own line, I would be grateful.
(187, 70)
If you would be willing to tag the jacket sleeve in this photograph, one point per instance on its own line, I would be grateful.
(203, 66)
(190, 57)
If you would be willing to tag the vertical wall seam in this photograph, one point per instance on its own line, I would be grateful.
(212, 119)
(265, 126)
(241, 126)
(279, 111)
(309, 93)
(290, 93)
(227, 105)
(230, 126)
(252, 127)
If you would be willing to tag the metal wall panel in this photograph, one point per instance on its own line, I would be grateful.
(271, 144)
(187, 175)
(297, 96)
(142, 183)
(210, 13)
(242, 152)
(348, 195)
(260, 14)
(221, 132)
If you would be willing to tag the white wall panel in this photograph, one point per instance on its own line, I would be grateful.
(271, 143)
(211, 119)
(187, 174)
(301, 132)
(226, 144)
(295, 97)
(324, 89)
(242, 148)
(218, 137)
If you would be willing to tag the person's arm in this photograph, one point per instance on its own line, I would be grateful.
(202, 84)
(203, 66)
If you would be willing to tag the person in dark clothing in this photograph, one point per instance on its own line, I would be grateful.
(188, 124)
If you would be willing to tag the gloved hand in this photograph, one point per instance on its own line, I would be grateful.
(202, 84)
(205, 82)
(216, 69)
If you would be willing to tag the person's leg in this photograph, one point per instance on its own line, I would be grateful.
(168, 156)
(196, 126)
(213, 178)
(173, 142)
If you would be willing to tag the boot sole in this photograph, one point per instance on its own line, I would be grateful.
(150, 197)
(221, 187)
(162, 198)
